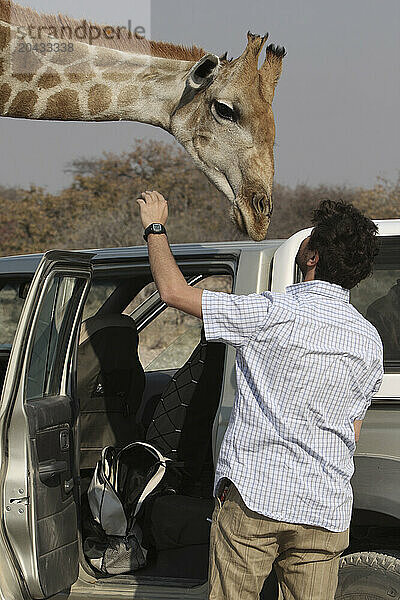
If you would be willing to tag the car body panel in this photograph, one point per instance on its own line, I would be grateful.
(31, 428)
(377, 460)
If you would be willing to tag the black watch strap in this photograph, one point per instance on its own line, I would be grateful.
(154, 228)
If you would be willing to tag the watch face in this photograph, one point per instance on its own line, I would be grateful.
(157, 227)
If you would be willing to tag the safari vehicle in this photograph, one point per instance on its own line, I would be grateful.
(43, 301)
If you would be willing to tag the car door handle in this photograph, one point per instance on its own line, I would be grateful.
(52, 467)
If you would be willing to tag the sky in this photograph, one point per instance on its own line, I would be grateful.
(336, 105)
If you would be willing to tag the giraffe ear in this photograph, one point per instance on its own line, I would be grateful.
(199, 77)
(203, 72)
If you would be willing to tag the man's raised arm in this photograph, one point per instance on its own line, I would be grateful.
(168, 278)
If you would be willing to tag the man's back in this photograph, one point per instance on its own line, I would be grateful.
(307, 366)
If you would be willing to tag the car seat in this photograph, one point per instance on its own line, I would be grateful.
(110, 384)
(179, 423)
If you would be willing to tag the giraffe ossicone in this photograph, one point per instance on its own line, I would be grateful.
(219, 110)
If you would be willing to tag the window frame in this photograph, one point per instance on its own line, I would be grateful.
(153, 306)
(63, 341)
(194, 269)
(53, 383)
(193, 324)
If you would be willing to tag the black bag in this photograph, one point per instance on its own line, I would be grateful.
(175, 521)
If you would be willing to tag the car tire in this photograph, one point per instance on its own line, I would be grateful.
(369, 576)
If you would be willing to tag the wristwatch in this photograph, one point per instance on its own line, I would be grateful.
(154, 228)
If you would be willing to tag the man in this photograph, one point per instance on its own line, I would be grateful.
(307, 366)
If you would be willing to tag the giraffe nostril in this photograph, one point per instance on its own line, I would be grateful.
(262, 204)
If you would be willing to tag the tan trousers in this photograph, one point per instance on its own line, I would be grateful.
(245, 544)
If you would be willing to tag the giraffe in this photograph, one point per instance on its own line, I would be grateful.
(218, 109)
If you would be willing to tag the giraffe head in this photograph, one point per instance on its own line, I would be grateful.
(219, 110)
(225, 122)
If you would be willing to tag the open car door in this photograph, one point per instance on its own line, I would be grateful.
(38, 449)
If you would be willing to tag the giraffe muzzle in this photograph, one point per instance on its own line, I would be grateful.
(253, 216)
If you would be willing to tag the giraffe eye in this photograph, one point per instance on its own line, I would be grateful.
(224, 111)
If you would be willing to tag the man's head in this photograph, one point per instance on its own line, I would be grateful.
(342, 245)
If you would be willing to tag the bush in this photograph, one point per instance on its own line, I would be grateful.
(99, 209)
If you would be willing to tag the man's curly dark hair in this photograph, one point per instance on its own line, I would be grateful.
(346, 242)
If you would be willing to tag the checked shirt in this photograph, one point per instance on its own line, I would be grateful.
(307, 365)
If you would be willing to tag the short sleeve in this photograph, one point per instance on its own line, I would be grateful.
(371, 386)
(234, 319)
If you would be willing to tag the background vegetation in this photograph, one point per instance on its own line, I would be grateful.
(98, 209)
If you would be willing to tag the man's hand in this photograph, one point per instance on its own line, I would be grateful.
(153, 208)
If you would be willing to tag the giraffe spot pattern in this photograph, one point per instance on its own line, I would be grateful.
(127, 96)
(106, 58)
(5, 93)
(99, 99)
(23, 104)
(79, 52)
(24, 77)
(62, 106)
(5, 37)
(49, 79)
(24, 65)
(79, 73)
(5, 11)
(117, 76)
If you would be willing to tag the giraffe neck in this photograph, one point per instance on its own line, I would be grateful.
(53, 79)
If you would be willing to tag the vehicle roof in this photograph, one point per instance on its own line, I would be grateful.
(28, 263)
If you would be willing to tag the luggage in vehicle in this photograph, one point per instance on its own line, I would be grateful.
(178, 425)
(176, 521)
(122, 481)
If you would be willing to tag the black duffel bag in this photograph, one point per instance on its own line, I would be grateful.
(174, 521)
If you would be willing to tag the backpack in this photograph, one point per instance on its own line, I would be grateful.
(122, 481)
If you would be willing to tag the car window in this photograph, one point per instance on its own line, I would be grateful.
(378, 299)
(12, 298)
(100, 291)
(169, 340)
(144, 293)
(50, 336)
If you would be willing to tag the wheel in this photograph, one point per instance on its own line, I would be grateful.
(369, 576)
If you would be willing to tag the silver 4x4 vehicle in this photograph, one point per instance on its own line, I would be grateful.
(43, 301)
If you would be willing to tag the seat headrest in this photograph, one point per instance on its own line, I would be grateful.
(95, 324)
